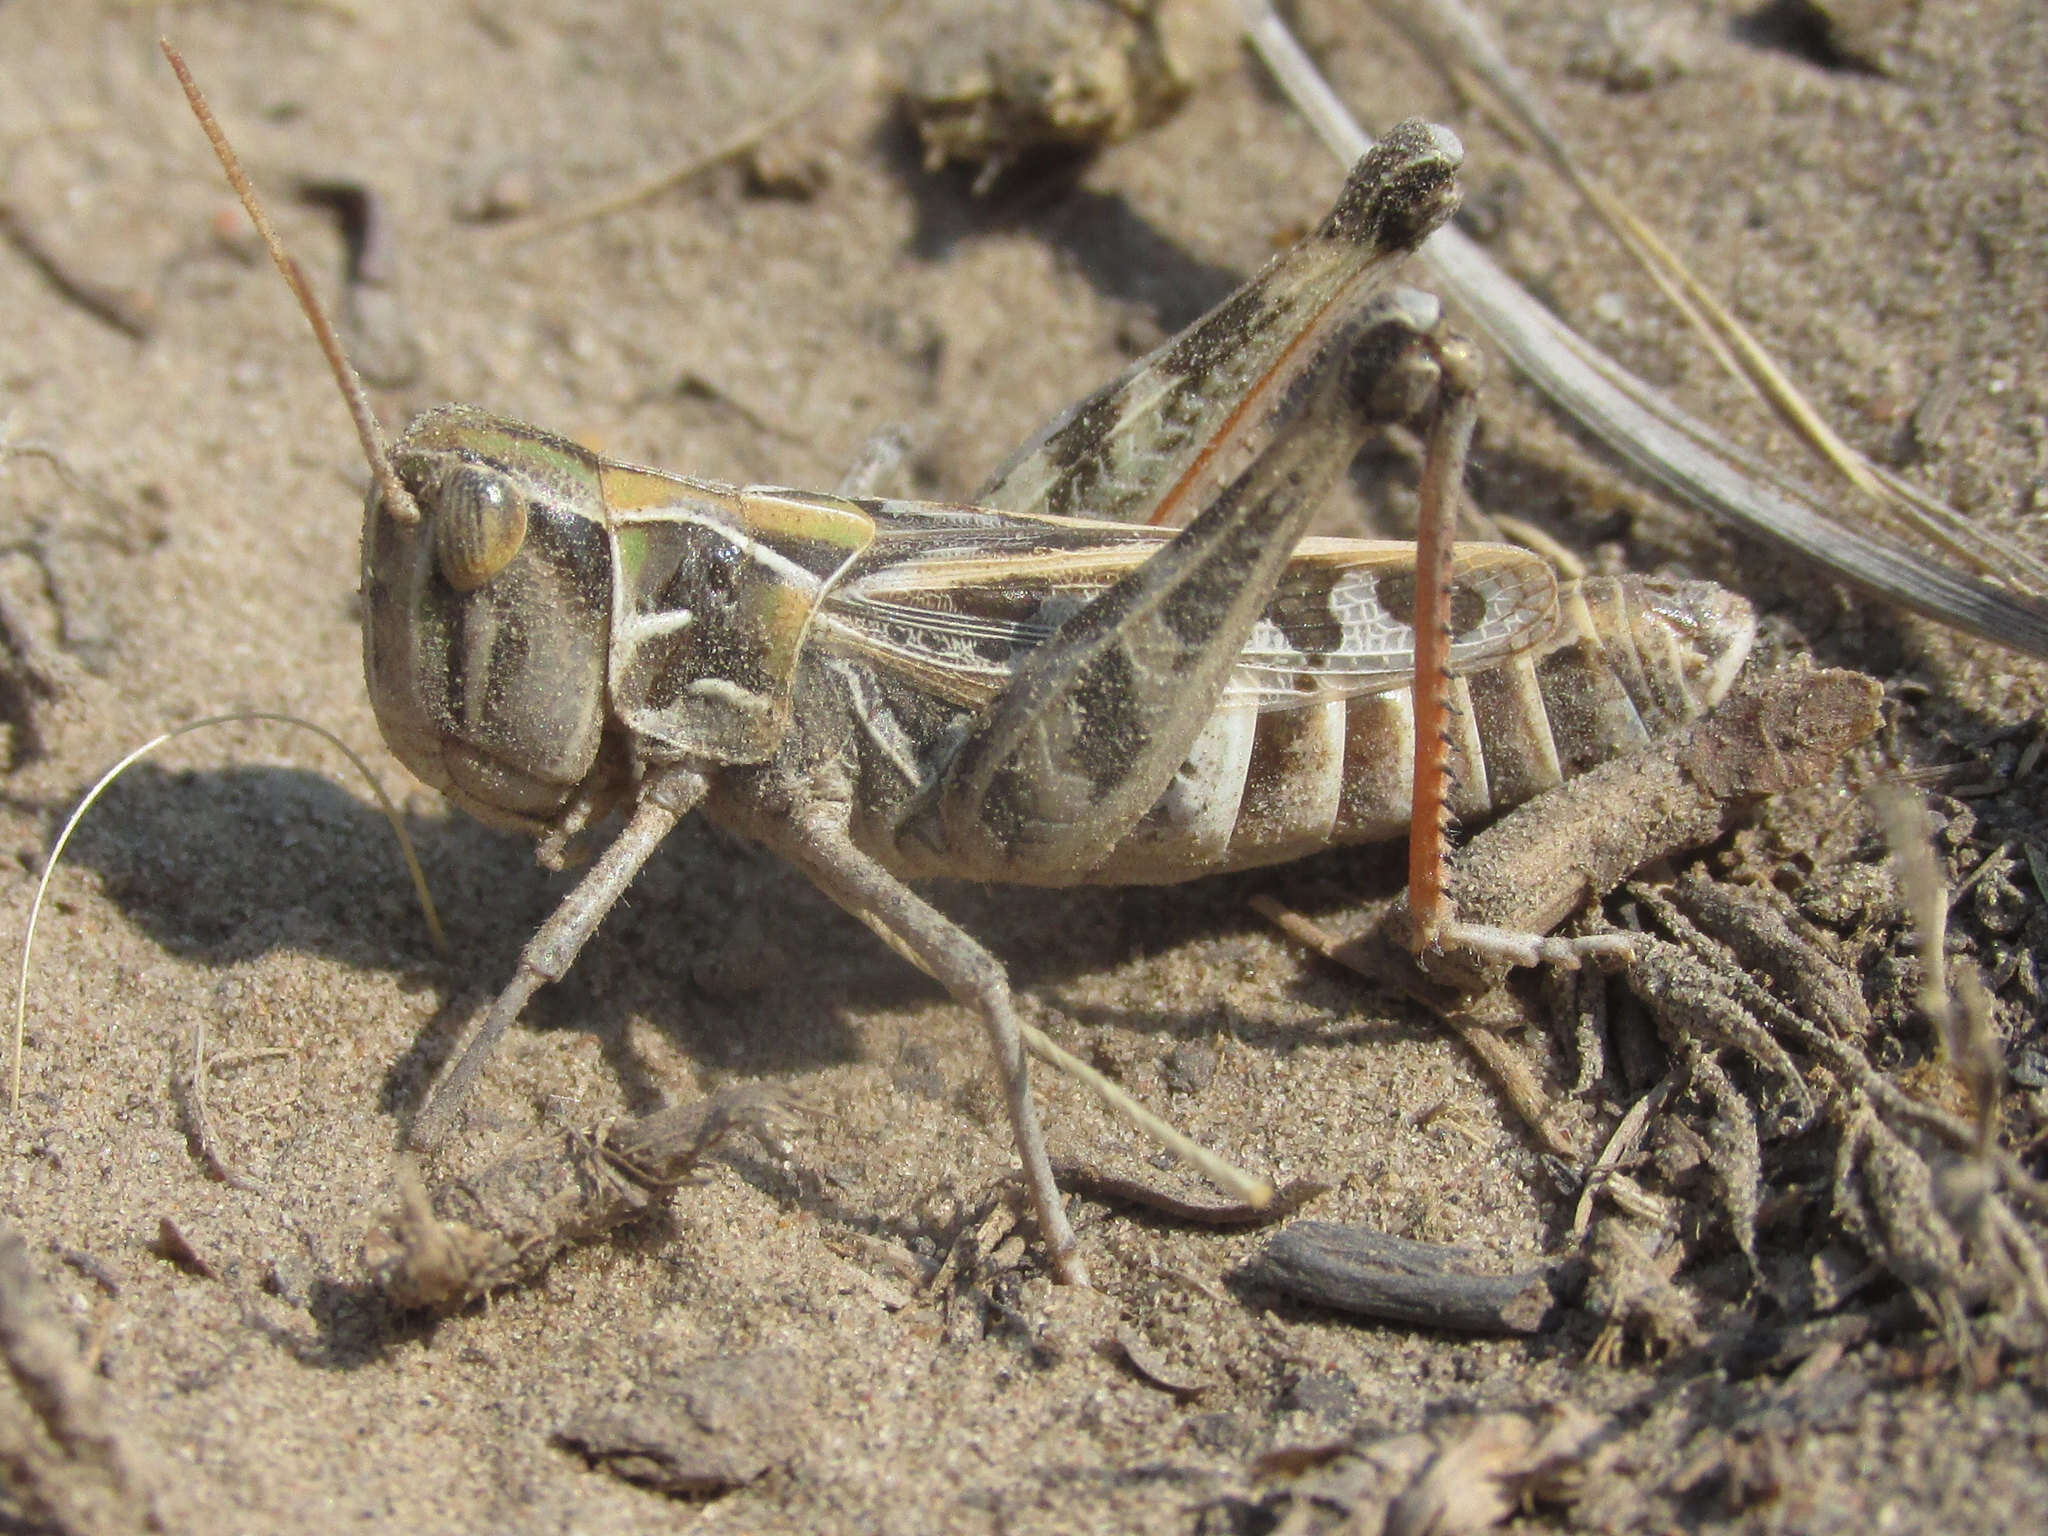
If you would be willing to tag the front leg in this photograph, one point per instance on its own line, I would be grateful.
(665, 797)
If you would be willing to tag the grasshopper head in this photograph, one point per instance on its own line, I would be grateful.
(487, 618)
(486, 582)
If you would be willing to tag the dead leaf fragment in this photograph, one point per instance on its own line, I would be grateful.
(1499, 1462)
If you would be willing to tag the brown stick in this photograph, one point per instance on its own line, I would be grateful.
(1482, 1025)
(1425, 1285)
(1097, 1184)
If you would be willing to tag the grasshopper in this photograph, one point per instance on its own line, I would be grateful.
(1039, 687)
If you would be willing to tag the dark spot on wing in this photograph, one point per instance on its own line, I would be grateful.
(1309, 627)
(1468, 608)
(1084, 436)
(1078, 452)
(1396, 593)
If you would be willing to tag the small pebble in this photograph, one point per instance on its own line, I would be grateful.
(1189, 1067)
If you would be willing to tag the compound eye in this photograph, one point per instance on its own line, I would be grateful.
(478, 527)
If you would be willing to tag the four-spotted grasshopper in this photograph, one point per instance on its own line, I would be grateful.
(1035, 687)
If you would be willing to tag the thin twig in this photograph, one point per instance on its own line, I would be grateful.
(439, 1251)
(130, 311)
(734, 145)
(1511, 1074)
(1626, 1137)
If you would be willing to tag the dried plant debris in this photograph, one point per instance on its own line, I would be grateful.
(473, 1235)
(1629, 1287)
(1155, 1367)
(1467, 1472)
(1549, 858)
(1846, 1145)
(999, 83)
(1542, 862)
(1768, 937)
(697, 1427)
(1801, 1117)
(1202, 1209)
(174, 1246)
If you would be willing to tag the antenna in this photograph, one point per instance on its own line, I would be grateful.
(393, 495)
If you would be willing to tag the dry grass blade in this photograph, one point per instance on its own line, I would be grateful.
(1507, 1067)
(1252, 1191)
(100, 787)
(741, 141)
(1450, 30)
(1676, 452)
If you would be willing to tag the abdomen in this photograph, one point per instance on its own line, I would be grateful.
(1632, 658)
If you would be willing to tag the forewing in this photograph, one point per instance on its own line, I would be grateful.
(952, 597)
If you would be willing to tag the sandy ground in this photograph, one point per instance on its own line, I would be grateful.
(1888, 234)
